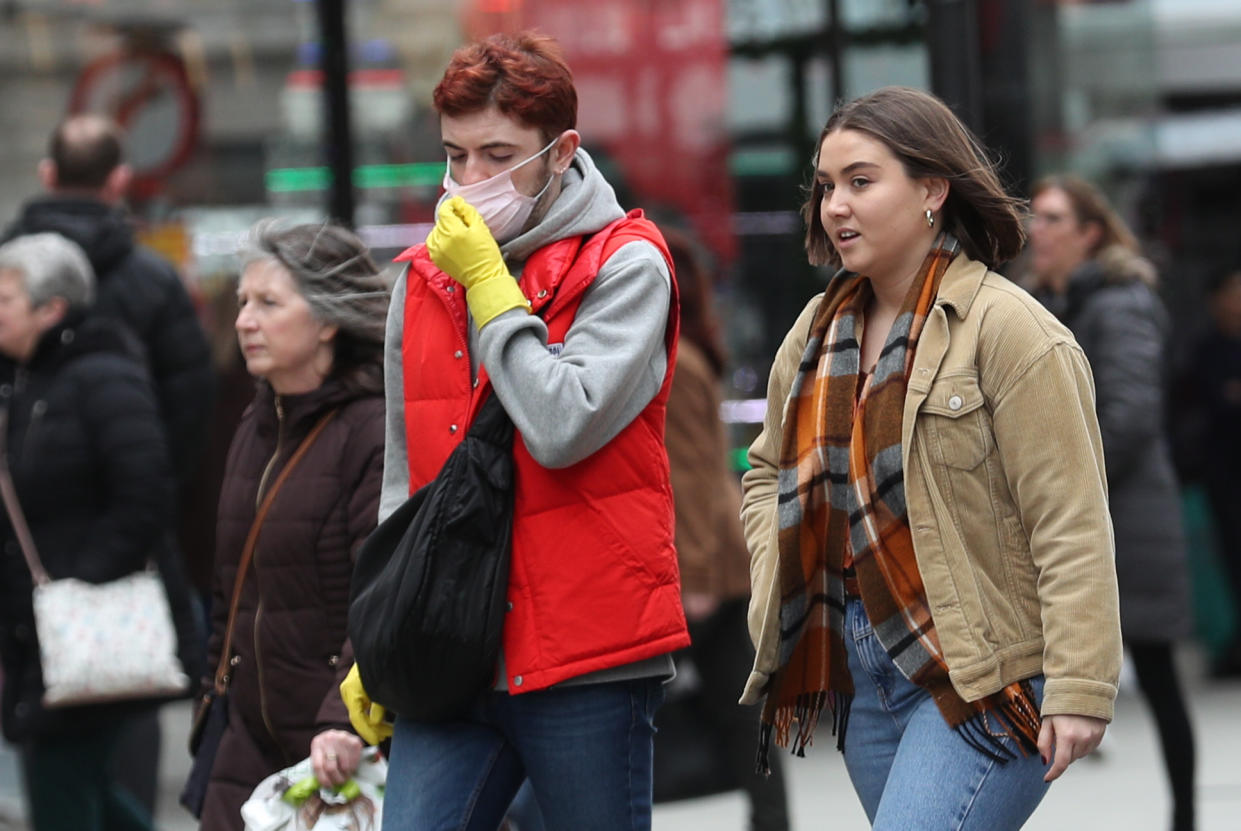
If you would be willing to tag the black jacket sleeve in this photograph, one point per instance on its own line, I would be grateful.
(1126, 350)
(180, 361)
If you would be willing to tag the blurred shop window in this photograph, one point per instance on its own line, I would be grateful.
(867, 69)
(769, 19)
(759, 95)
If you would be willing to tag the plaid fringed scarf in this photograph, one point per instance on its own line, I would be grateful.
(842, 488)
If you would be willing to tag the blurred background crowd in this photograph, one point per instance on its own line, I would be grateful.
(704, 113)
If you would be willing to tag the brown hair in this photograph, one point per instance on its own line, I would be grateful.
(930, 141)
(524, 76)
(699, 323)
(1090, 205)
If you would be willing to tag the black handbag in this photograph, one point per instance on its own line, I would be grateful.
(427, 599)
(210, 722)
(690, 758)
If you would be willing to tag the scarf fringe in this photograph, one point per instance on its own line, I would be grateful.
(1018, 718)
(806, 710)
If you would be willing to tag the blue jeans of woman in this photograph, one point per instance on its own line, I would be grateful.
(585, 749)
(910, 769)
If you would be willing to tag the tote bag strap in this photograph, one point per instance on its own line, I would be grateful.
(14, 508)
(247, 550)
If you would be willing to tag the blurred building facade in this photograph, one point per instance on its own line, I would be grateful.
(704, 110)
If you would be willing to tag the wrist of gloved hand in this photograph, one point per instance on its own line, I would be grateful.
(494, 296)
(368, 718)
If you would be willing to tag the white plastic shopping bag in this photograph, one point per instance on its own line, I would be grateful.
(292, 800)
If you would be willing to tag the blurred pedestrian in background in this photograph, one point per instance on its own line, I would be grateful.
(310, 321)
(86, 177)
(534, 286)
(928, 567)
(1212, 382)
(715, 582)
(1092, 277)
(86, 449)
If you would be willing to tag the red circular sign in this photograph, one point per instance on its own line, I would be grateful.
(150, 95)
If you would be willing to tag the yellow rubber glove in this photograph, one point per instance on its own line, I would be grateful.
(462, 247)
(366, 716)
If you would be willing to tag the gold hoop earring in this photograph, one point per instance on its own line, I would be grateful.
(930, 218)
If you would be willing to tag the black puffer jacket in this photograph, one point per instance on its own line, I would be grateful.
(1116, 316)
(137, 287)
(289, 648)
(91, 469)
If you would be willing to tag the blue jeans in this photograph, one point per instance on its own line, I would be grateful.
(910, 769)
(586, 751)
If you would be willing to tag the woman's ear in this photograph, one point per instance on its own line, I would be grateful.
(1094, 234)
(51, 313)
(936, 192)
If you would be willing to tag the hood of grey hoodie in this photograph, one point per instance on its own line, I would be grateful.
(585, 205)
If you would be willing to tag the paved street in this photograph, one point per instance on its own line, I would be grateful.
(1123, 790)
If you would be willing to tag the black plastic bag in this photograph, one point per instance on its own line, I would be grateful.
(427, 600)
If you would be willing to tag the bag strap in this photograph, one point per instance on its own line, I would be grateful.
(247, 550)
(14, 508)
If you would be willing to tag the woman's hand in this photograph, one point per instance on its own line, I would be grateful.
(1071, 737)
(334, 756)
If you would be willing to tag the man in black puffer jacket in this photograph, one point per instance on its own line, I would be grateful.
(86, 178)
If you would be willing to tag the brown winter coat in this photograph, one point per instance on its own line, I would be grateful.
(289, 649)
(710, 545)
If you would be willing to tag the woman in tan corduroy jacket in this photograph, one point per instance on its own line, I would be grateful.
(927, 509)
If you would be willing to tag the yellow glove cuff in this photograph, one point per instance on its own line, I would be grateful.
(367, 717)
(494, 296)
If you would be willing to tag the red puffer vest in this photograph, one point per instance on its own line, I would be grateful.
(593, 582)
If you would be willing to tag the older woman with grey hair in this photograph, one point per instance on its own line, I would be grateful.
(310, 321)
(85, 447)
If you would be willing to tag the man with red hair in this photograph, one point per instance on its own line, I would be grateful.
(535, 286)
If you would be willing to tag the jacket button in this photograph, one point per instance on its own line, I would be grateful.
(234, 661)
(542, 293)
(476, 383)
(954, 403)
(508, 607)
(451, 289)
(452, 428)
(458, 354)
(517, 681)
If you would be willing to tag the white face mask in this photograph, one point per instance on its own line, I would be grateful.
(502, 206)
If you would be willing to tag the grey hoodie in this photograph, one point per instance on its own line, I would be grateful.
(570, 400)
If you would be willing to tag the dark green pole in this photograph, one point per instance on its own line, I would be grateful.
(337, 138)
